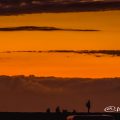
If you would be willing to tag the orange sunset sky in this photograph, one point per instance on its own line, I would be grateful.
(58, 64)
(59, 52)
(107, 37)
(107, 22)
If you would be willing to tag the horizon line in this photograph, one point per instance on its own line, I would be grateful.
(49, 76)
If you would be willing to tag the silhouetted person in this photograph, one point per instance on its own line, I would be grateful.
(57, 109)
(74, 111)
(88, 105)
(48, 110)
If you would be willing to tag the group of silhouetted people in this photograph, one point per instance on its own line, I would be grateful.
(57, 110)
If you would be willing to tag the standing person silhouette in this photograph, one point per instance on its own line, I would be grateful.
(88, 105)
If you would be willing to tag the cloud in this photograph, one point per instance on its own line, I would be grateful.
(36, 28)
(22, 93)
(16, 7)
(90, 52)
(97, 53)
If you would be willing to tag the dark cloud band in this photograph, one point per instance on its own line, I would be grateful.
(36, 28)
(97, 53)
(16, 7)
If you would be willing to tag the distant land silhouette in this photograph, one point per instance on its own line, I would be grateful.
(49, 116)
(59, 114)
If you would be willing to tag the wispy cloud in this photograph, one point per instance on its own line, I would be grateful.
(97, 53)
(15, 7)
(36, 28)
(90, 52)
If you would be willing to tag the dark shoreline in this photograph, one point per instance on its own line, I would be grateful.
(48, 116)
